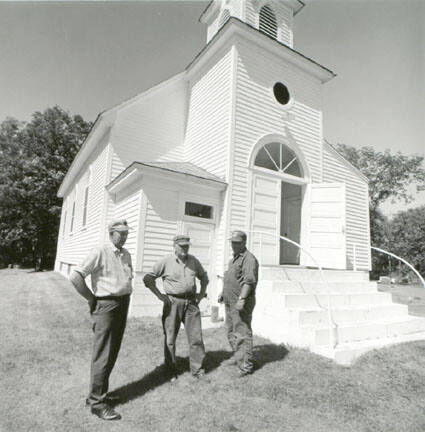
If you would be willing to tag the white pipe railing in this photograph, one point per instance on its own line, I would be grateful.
(332, 325)
(403, 261)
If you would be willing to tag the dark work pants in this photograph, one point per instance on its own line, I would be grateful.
(109, 320)
(239, 332)
(186, 311)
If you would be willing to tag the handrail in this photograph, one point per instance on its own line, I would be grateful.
(403, 261)
(332, 325)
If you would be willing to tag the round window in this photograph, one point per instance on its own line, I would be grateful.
(281, 93)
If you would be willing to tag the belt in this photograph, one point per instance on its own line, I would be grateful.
(113, 297)
(184, 296)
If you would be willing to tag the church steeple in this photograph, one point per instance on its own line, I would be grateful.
(272, 17)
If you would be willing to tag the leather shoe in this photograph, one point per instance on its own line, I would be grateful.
(106, 413)
(110, 399)
(241, 373)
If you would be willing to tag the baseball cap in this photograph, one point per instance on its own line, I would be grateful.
(181, 240)
(118, 225)
(238, 236)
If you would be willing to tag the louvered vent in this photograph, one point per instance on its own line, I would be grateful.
(225, 15)
(268, 23)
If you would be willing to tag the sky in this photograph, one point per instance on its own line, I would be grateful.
(89, 56)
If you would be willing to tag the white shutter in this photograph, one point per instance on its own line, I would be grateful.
(326, 230)
(265, 217)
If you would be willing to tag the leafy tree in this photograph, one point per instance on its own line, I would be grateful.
(34, 158)
(390, 176)
(407, 236)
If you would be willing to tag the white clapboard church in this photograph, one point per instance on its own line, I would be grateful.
(235, 141)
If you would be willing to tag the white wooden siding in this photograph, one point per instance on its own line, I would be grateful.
(258, 114)
(73, 247)
(151, 129)
(161, 224)
(128, 207)
(357, 208)
(209, 119)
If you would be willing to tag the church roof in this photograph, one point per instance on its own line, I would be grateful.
(184, 168)
(134, 170)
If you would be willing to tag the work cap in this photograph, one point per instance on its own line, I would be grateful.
(181, 240)
(238, 236)
(118, 225)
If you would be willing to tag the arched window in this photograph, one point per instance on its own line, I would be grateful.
(225, 15)
(268, 24)
(278, 157)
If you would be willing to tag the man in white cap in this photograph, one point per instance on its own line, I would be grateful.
(240, 281)
(178, 272)
(111, 281)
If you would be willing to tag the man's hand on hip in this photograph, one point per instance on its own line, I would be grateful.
(240, 304)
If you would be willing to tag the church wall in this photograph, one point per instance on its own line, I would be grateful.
(357, 210)
(209, 127)
(151, 129)
(74, 246)
(259, 114)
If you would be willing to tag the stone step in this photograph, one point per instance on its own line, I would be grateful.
(347, 353)
(372, 330)
(307, 274)
(306, 301)
(309, 287)
(350, 314)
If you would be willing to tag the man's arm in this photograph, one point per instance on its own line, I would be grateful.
(250, 279)
(149, 281)
(81, 287)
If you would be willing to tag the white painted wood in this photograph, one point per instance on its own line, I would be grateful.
(327, 225)
(265, 217)
(336, 169)
(209, 116)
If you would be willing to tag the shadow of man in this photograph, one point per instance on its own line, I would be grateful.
(263, 354)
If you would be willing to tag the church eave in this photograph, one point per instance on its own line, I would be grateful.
(236, 27)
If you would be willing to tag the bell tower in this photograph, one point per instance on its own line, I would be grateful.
(272, 17)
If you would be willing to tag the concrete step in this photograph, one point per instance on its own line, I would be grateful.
(317, 287)
(355, 332)
(307, 274)
(349, 314)
(346, 354)
(306, 301)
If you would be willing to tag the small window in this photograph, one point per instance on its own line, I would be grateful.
(278, 157)
(64, 223)
(268, 24)
(85, 205)
(198, 210)
(72, 217)
(281, 93)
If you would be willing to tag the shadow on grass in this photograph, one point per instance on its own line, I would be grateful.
(268, 353)
(263, 354)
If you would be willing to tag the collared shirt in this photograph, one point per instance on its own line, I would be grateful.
(110, 269)
(178, 277)
(242, 270)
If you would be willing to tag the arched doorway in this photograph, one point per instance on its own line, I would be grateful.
(278, 187)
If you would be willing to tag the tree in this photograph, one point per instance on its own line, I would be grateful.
(407, 236)
(34, 158)
(390, 176)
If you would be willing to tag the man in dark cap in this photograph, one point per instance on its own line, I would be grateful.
(240, 281)
(111, 285)
(178, 272)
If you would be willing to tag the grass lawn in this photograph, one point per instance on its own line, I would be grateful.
(45, 354)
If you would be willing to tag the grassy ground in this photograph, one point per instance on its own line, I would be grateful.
(411, 295)
(46, 339)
